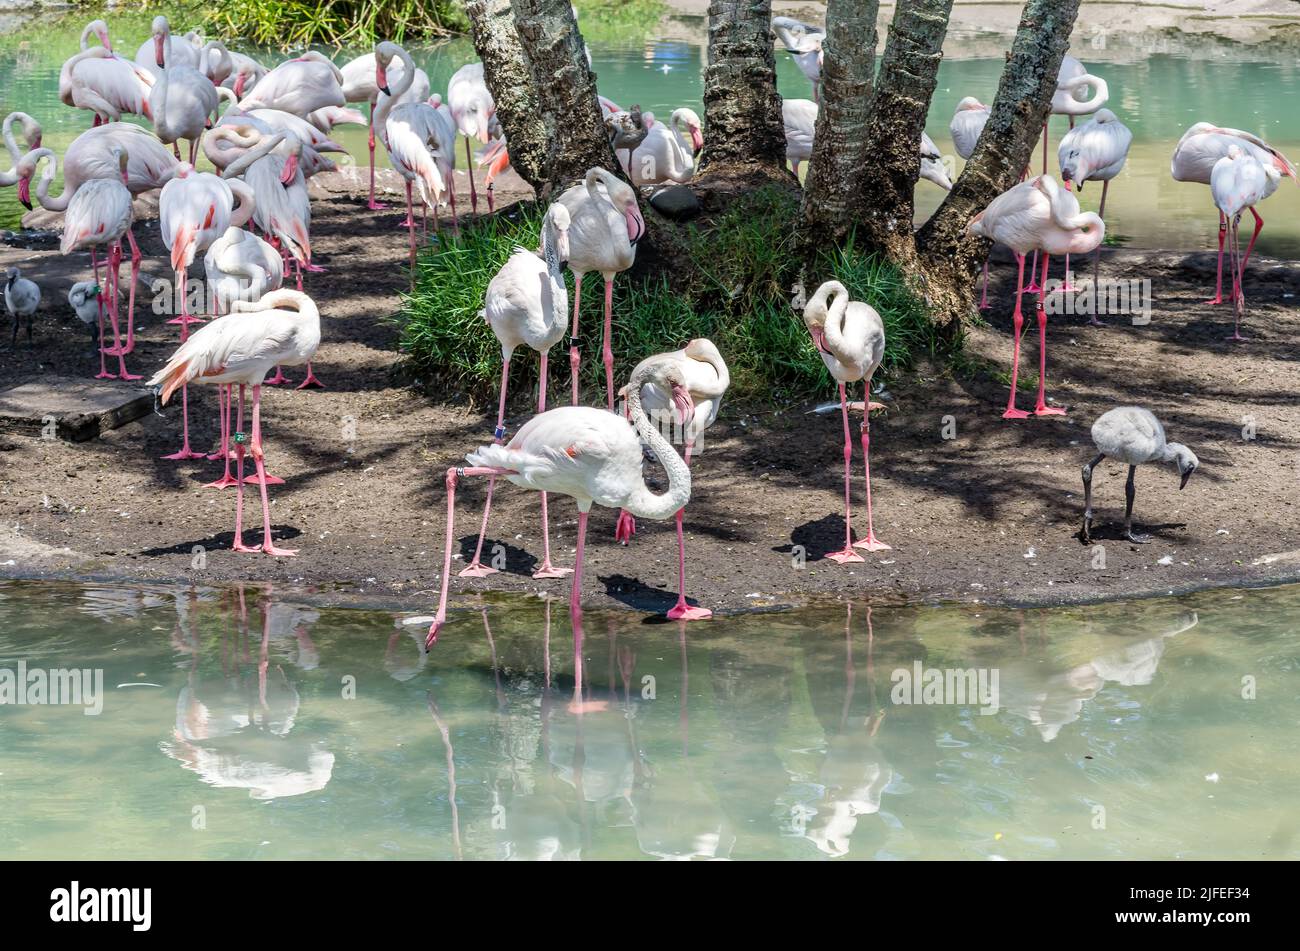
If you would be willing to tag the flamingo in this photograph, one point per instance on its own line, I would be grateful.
(931, 168)
(183, 100)
(850, 338)
(180, 52)
(1238, 182)
(1132, 434)
(420, 139)
(31, 138)
(804, 43)
(327, 117)
(23, 297)
(361, 84)
(666, 154)
(591, 456)
(407, 86)
(605, 226)
(1036, 215)
(1194, 159)
(1094, 152)
(98, 215)
(238, 131)
(800, 118)
(103, 82)
(283, 328)
(626, 131)
(527, 304)
(966, 128)
(472, 107)
(300, 86)
(196, 208)
(245, 73)
(707, 378)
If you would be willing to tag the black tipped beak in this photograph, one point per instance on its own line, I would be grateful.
(1183, 483)
(26, 203)
(385, 91)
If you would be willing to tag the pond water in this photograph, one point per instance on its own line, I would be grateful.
(246, 723)
(1158, 90)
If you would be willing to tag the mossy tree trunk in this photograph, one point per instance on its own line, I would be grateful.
(832, 187)
(744, 136)
(509, 76)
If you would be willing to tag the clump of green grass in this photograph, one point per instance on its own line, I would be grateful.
(734, 282)
(618, 21)
(293, 23)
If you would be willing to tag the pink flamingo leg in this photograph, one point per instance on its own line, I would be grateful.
(455, 218)
(1066, 286)
(984, 297)
(410, 226)
(136, 257)
(681, 611)
(184, 452)
(476, 569)
(546, 569)
(871, 542)
(1096, 263)
(1218, 280)
(224, 401)
(608, 347)
(1238, 273)
(1041, 408)
(267, 547)
(469, 165)
(372, 204)
(103, 373)
(311, 380)
(238, 544)
(848, 554)
(1018, 321)
(1034, 287)
(278, 378)
(1250, 246)
(577, 704)
(573, 336)
(114, 274)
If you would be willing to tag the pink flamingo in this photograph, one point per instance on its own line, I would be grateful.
(1036, 215)
(361, 84)
(850, 338)
(1237, 183)
(527, 304)
(283, 328)
(300, 86)
(98, 215)
(606, 224)
(103, 82)
(1195, 156)
(592, 456)
(701, 365)
(472, 108)
(420, 138)
(195, 209)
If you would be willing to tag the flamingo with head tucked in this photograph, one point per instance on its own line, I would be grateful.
(668, 151)
(473, 108)
(1036, 215)
(1238, 182)
(103, 82)
(301, 86)
(850, 339)
(1094, 152)
(605, 225)
(804, 43)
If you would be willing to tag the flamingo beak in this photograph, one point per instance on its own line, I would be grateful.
(381, 79)
(635, 223)
(697, 140)
(103, 39)
(158, 51)
(684, 404)
(1186, 475)
(25, 193)
(562, 246)
(239, 85)
(289, 171)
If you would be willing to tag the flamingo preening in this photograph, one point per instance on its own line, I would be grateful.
(1094, 152)
(98, 215)
(667, 152)
(527, 304)
(1194, 158)
(103, 82)
(605, 225)
(420, 138)
(1238, 182)
(1036, 215)
(283, 328)
(701, 365)
(472, 108)
(804, 43)
(300, 86)
(850, 339)
(592, 456)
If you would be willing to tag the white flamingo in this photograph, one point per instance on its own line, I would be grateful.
(1094, 152)
(103, 82)
(850, 339)
(183, 100)
(420, 139)
(1037, 215)
(182, 52)
(804, 43)
(1238, 182)
(800, 119)
(283, 328)
(385, 78)
(222, 147)
(1194, 159)
(98, 215)
(592, 456)
(300, 86)
(527, 304)
(668, 151)
(968, 125)
(705, 372)
(605, 224)
(473, 108)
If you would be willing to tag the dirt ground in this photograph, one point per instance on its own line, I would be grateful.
(991, 514)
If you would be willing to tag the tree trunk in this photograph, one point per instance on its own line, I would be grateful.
(509, 77)
(566, 91)
(949, 254)
(744, 134)
(840, 152)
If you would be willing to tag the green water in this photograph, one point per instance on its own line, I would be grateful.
(248, 724)
(1157, 93)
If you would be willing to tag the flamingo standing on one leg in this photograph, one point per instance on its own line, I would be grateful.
(1238, 182)
(966, 128)
(1194, 159)
(592, 456)
(194, 209)
(98, 215)
(472, 107)
(605, 226)
(527, 303)
(283, 328)
(1094, 152)
(1036, 215)
(707, 378)
(850, 338)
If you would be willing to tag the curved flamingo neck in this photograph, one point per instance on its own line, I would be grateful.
(59, 203)
(641, 501)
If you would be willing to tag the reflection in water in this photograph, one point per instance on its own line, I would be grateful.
(307, 731)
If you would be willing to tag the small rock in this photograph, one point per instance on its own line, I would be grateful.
(676, 202)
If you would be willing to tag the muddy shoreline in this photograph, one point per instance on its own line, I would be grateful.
(990, 515)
